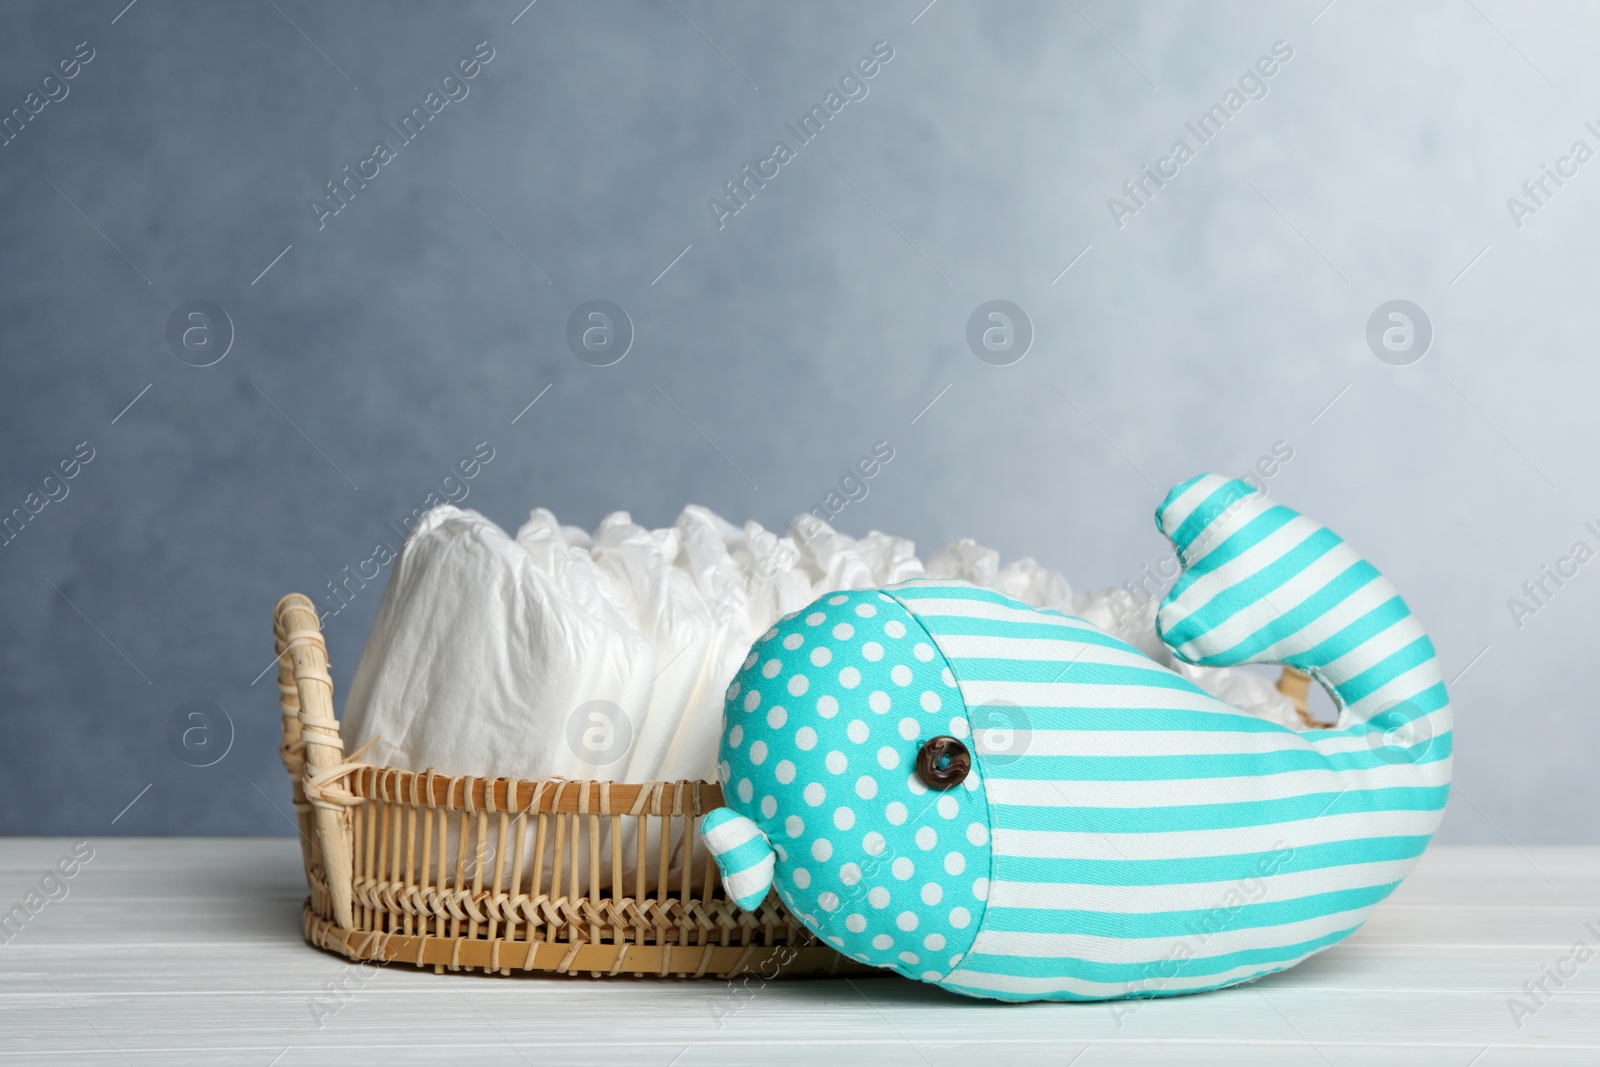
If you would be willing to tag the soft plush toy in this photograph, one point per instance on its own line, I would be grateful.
(1009, 803)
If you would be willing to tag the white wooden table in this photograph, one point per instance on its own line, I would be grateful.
(178, 951)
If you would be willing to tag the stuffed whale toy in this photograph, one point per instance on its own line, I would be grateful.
(1009, 803)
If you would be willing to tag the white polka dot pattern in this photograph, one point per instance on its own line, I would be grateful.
(824, 727)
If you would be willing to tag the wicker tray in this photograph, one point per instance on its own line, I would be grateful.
(383, 888)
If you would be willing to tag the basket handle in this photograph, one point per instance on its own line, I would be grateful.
(1296, 685)
(292, 750)
(299, 636)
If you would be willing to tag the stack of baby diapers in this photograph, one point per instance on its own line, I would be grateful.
(560, 653)
(564, 654)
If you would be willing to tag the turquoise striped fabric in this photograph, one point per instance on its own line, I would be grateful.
(742, 854)
(1150, 840)
(1122, 832)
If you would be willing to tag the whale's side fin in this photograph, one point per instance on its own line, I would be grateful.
(1264, 584)
(743, 855)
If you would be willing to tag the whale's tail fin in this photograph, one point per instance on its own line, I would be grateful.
(1264, 584)
(743, 855)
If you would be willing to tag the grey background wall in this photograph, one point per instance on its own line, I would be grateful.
(369, 355)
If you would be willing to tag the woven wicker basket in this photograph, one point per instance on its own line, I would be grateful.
(384, 888)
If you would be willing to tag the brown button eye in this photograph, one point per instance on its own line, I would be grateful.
(943, 762)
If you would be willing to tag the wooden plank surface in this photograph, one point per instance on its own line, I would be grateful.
(179, 951)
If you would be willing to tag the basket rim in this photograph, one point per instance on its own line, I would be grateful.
(581, 796)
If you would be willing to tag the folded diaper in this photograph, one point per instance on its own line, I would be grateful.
(672, 606)
(1024, 579)
(479, 639)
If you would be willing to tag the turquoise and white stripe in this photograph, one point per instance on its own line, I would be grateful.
(1123, 833)
(742, 854)
(1264, 584)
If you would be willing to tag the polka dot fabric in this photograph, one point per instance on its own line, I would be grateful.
(823, 727)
